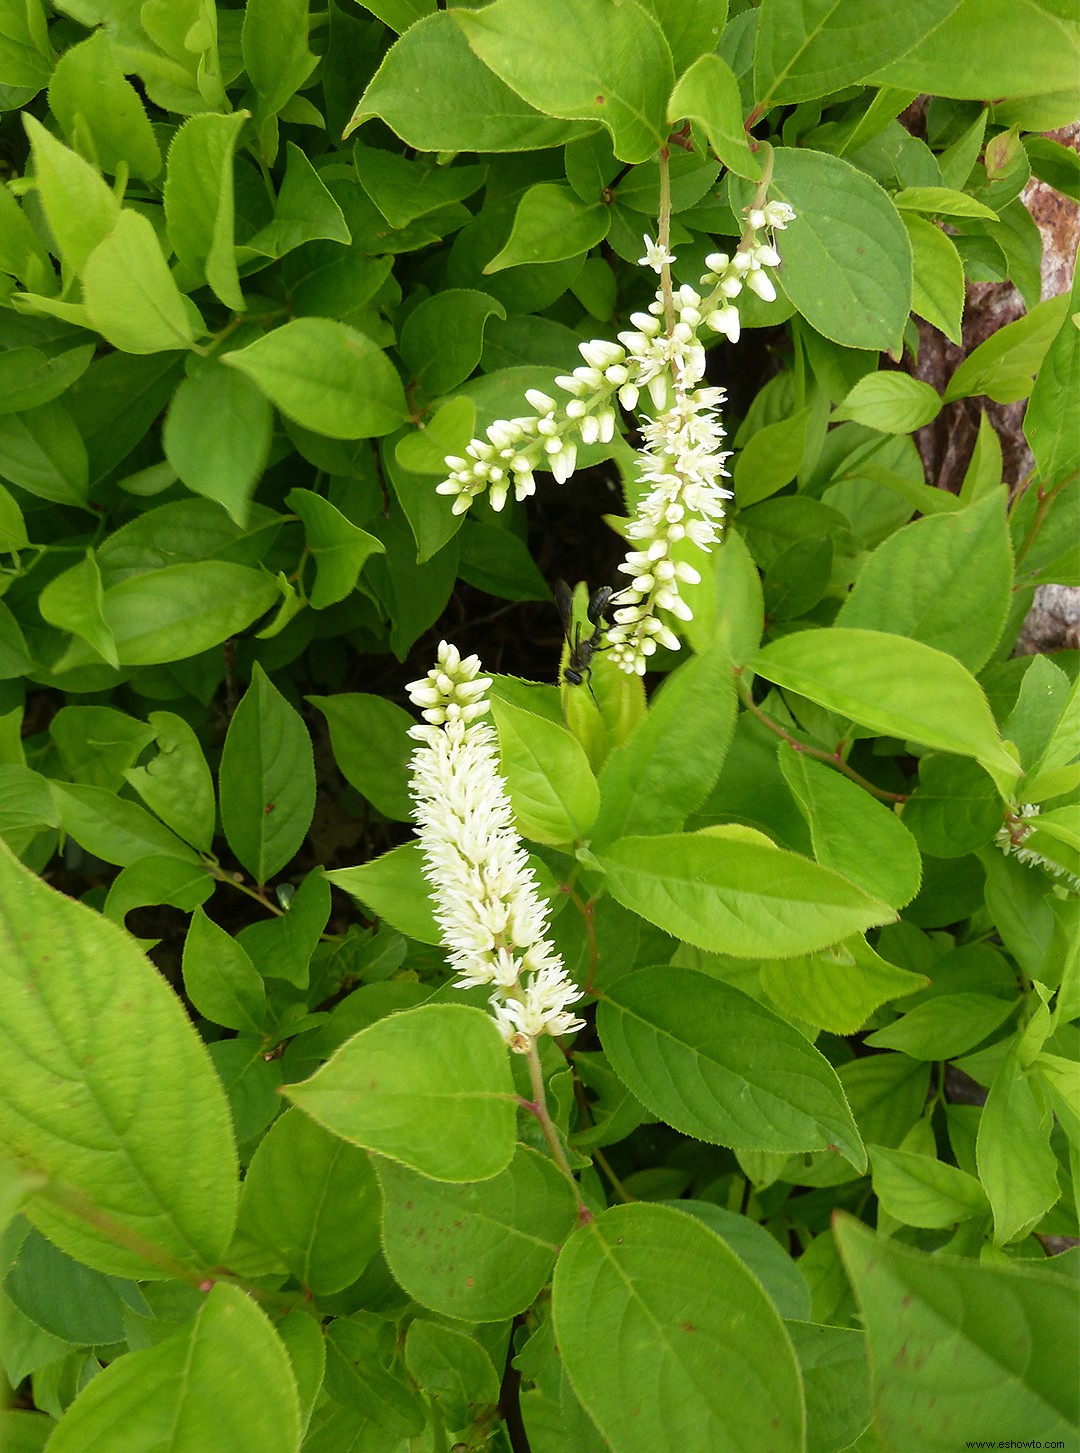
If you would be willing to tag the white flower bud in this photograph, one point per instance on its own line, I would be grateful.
(761, 283)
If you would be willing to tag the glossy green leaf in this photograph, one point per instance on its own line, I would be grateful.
(405, 189)
(282, 947)
(217, 436)
(808, 48)
(42, 451)
(921, 1191)
(199, 205)
(107, 1089)
(708, 93)
(78, 202)
(618, 70)
(955, 1344)
(311, 1199)
(724, 893)
(327, 377)
(100, 111)
(222, 1382)
(696, 1355)
(847, 259)
(371, 745)
(129, 291)
(157, 880)
(549, 782)
(430, 1087)
(717, 1065)
(436, 94)
(176, 784)
(897, 686)
(339, 547)
(938, 289)
(668, 765)
(394, 887)
(480, 1251)
(220, 979)
(267, 781)
(551, 223)
(852, 833)
(1016, 1164)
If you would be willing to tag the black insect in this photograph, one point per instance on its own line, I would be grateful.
(578, 668)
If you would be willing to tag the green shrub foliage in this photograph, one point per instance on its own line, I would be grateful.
(776, 1124)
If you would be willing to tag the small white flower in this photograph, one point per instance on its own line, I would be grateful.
(656, 256)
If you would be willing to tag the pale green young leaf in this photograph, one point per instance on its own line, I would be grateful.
(618, 71)
(708, 93)
(942, 202)
(921, 1191)
(305, 211)
(106, 1089)
(1016, 1163)
(430, 1087)
(199, 206)
(717, 1065)
(42, 451)
(696, 1355)
(327, 377)
(78, 202)
(130, 294)
(393, 886)
(1052, 417)
(938, 287)
(728, 604)
(277, 57)
(267, 780)
(176, 784)
(954, 1343)
(217, 436)
(311, 1199)
(551, 787)
(100, 110)
(770, 459)
(890, 402)
(496, 1239)
(984, 473)
(1003, 367)
(721, 892)
(221, 1384)
(837, 988)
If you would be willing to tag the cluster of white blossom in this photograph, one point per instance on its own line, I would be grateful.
(681, 460)
(1020, 824)
(486, 900)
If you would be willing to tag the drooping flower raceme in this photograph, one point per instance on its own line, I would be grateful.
(486, 899)
(1020, 824)
(681, 461)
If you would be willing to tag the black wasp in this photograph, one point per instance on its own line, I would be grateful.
(578, 668)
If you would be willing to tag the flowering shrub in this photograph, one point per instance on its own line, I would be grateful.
(419, 1031)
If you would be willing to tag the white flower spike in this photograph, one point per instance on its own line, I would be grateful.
(656, 256)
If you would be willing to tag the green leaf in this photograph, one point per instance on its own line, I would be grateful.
(404, 190)
(729, 895)
(176, 784)
(441, 344)
(1052, 417)
(938, 290)
(199, 206)
(696, 1355)
(327, 377)
(807, 48)
(890, 402)
(670, 762)
(1002, 368)
(954, 809)
(834, 1369)
(275, 49)
(437, 96)
(770, 459)
(220, 979)
(945, 1026)
(43, 452)
(113, 828)
(64, 1298)
(15, 658)
(156, 880)
(394, 887)
(369, 735)
(430, 1087)
(975, 53)
(708, 93)
(1016, 1163)
(481, 1252)
(847, 260)
(955, 1344)
(945, 581)
(549, 782)
(356, 1378)
(106, 1089)
(339, 547)
(267, 780)
(921, 1191)
(282, 947)
(311, 1199)
(97, 743)
(80, 206)
(757, 1249)
(217, 436)
(129, 291)
(715, 1064)
(27, 56)
(305, 211)
(29, 377)
(618, 70)
(838, 988)
(853, 834)
(100, 111)
(551, 223)
(900, 687)
(451, 1368)
(942, 202)
(223, 1382)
